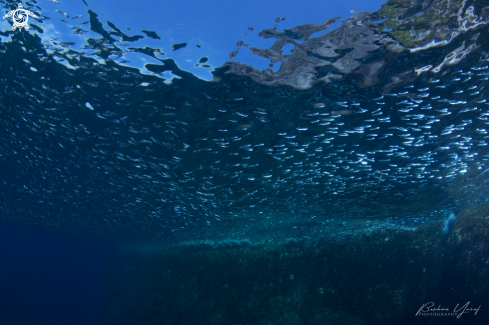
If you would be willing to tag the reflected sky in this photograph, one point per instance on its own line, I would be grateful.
(210, 29)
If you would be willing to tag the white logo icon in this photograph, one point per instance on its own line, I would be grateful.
(20, 17)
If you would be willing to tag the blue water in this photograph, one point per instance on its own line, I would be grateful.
(50, 279)
(372, 134)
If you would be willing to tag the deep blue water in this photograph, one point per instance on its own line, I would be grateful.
(51, 279)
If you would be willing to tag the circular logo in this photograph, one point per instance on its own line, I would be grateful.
(20, 18)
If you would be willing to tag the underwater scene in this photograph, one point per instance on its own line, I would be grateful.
(261, 162)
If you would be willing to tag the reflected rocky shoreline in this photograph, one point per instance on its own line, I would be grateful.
(365, 44)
